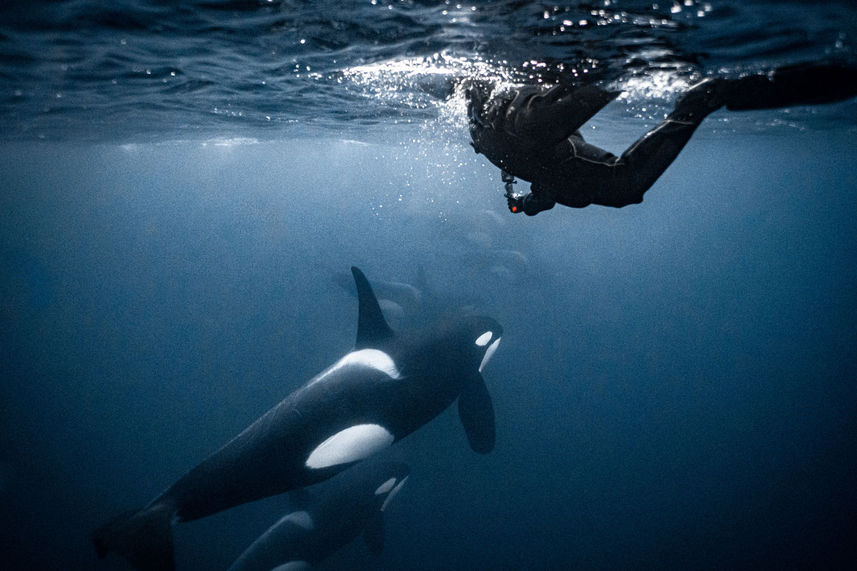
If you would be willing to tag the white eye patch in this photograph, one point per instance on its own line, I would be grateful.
(483, 339)
(385, 487)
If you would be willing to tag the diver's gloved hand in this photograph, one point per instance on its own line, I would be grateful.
(516, 203)
(701, 99)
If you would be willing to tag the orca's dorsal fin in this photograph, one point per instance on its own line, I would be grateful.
(372, 328)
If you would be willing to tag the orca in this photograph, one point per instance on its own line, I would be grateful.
(397, 299)
(410, 306)
(354, 503)
(385, 388)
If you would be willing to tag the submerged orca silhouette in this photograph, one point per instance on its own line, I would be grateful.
(353, 504)
(388, 386)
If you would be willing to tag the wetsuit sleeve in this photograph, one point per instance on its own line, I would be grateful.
(555, 114)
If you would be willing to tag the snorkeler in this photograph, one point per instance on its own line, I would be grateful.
(532, 133)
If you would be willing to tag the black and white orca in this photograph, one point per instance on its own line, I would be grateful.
(411, 306)
(388, 386)
(398, 297)
(352, 503)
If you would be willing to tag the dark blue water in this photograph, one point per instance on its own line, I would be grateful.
(182, 185)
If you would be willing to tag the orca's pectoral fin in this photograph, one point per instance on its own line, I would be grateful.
(373, 533)
(477, 414)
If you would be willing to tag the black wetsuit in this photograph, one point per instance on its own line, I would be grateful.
(533, 134)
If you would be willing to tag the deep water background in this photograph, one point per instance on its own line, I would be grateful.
(183, 186)
(675, 387)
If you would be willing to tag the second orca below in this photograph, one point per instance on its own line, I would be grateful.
(353, 504)
(388, 386)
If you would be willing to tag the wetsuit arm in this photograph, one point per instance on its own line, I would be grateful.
(551, 116)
